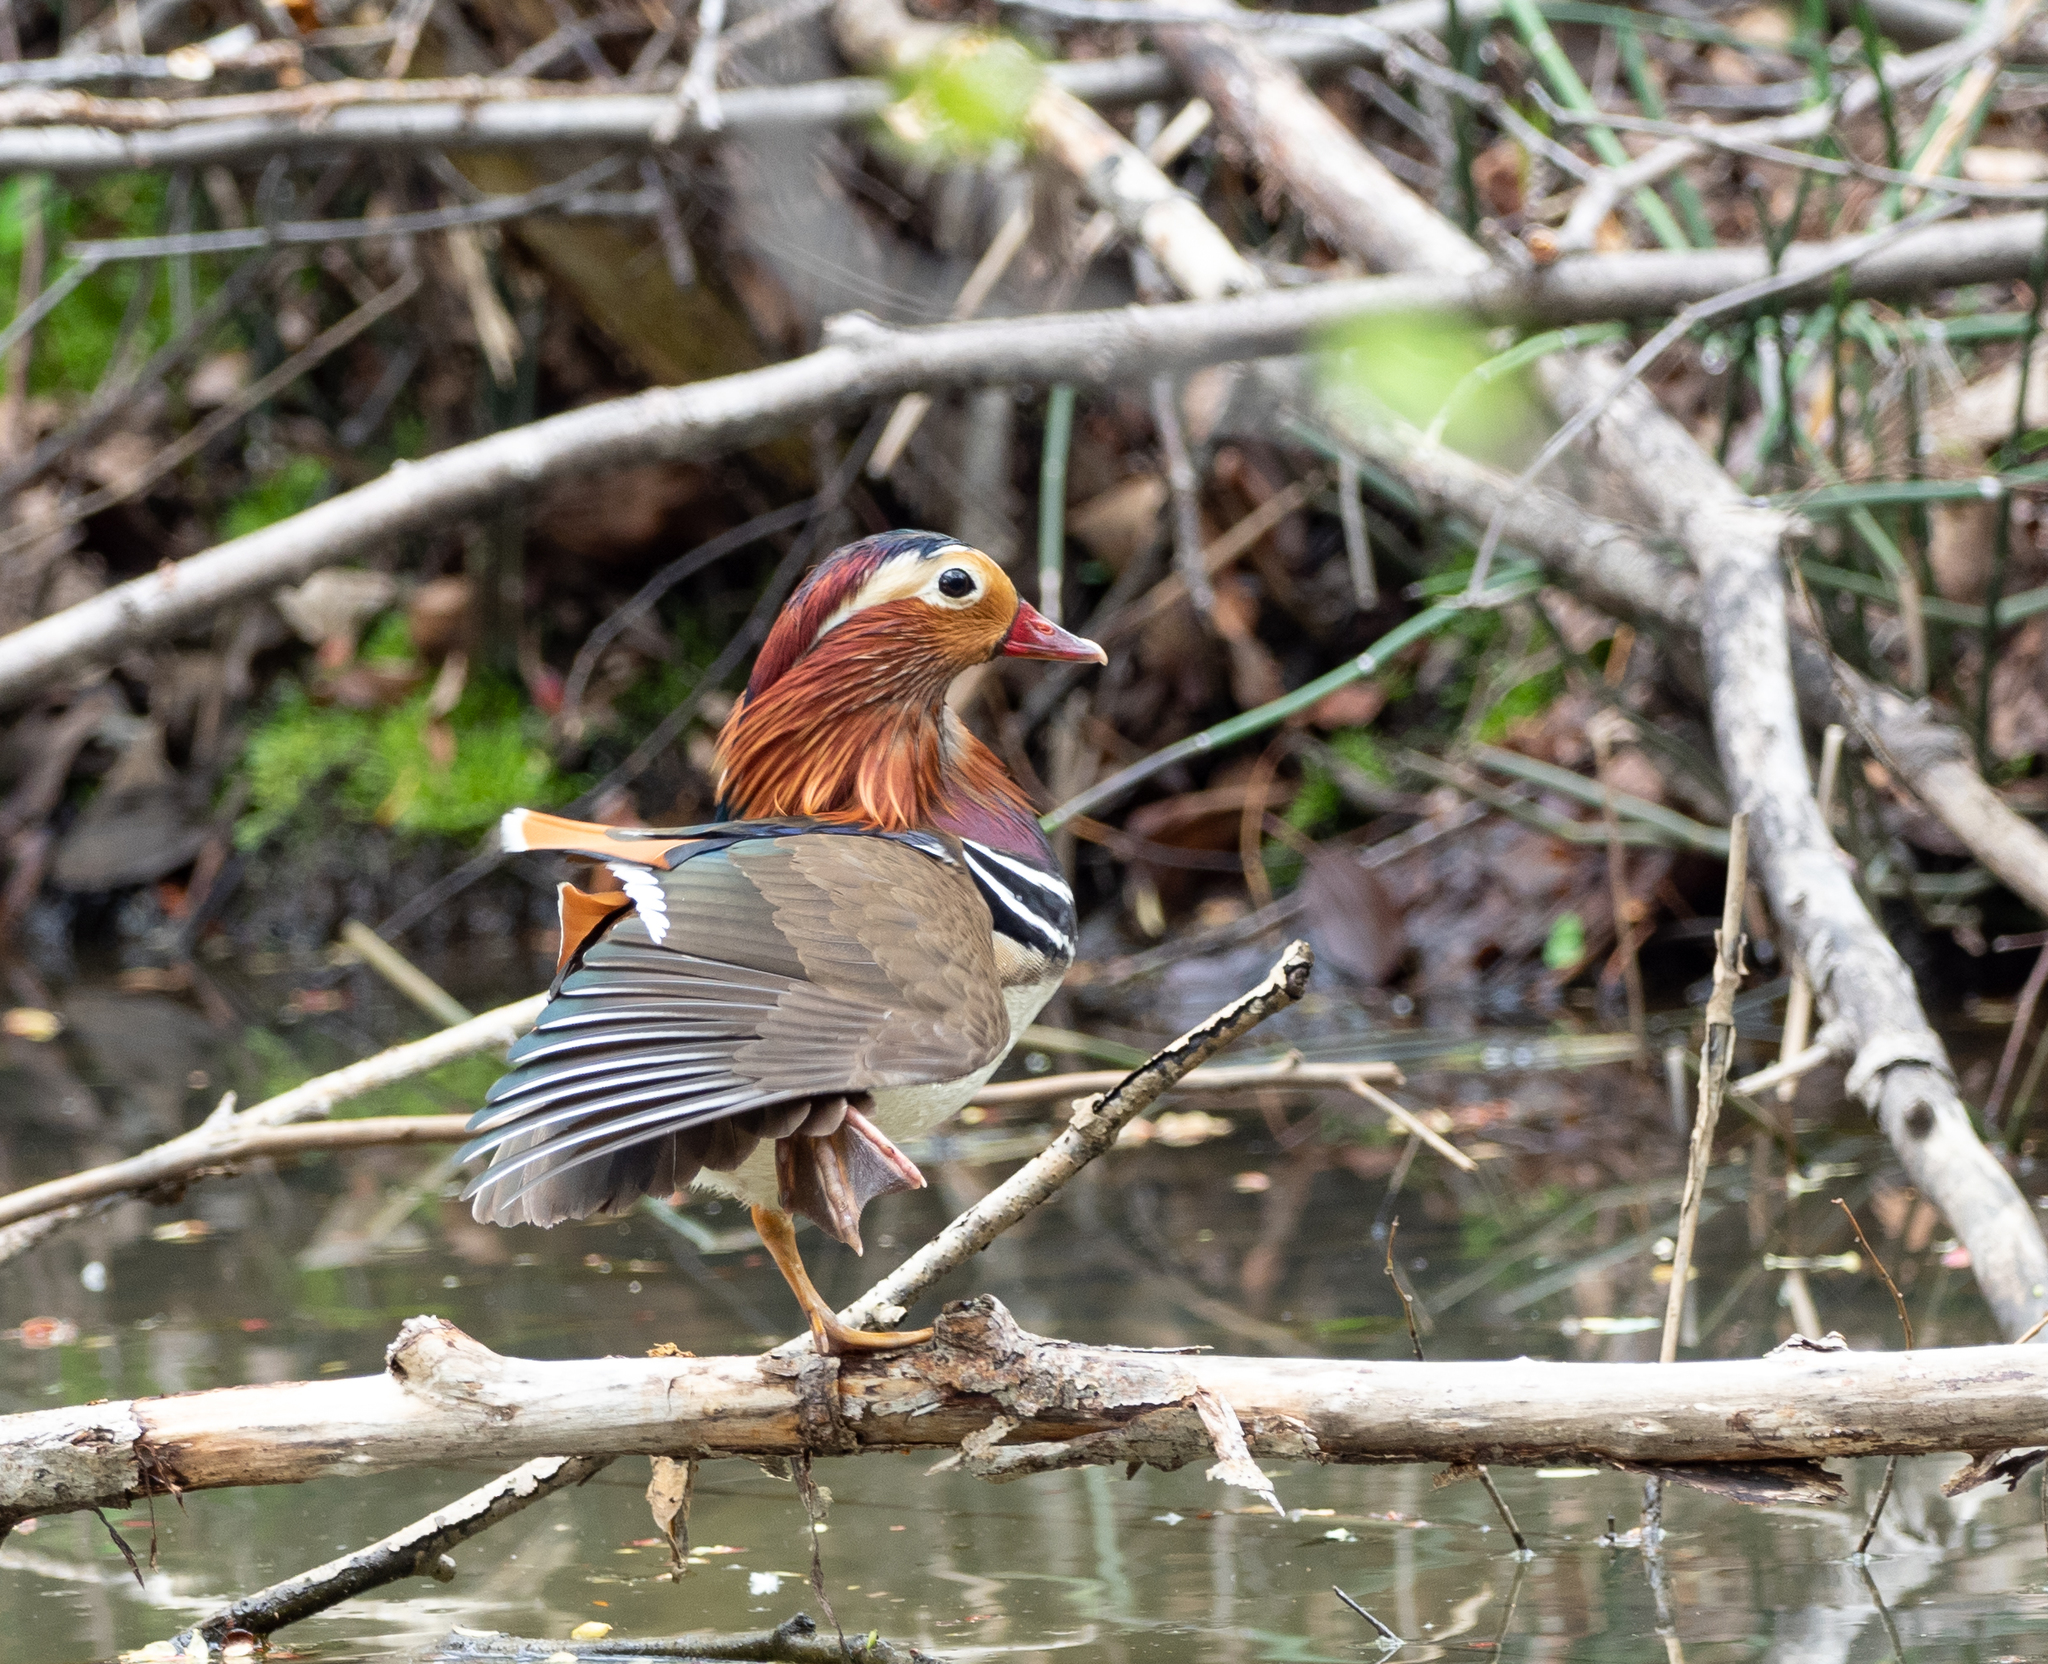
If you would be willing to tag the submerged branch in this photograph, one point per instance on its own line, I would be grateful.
(227, 1136)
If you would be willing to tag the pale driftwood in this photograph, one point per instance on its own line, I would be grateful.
(863, 362)
(417, 1550)
(227, 1135)
(445, 1398)
(1089, 1134)
(1900, 1069)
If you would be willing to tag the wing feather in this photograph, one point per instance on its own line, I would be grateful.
(792, 964)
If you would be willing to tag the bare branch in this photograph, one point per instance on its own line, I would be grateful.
(863, 361)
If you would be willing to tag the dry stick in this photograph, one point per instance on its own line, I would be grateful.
(444, 1398)
(1791, 1070)
(1183, 489)
(1089, 1134)
(403, 974)
(1891, 1466)
(793, 1641)
(1227, 547)
(1217, 1077)
(1617, 887)
(119, 135)
(1415, 1340)
(912, 408)
(2015, 1040)
(1390, 1640)
(1412, 1124)
(1095, 236)
(1717, 1051)
(1365, 586)
(416, 1550)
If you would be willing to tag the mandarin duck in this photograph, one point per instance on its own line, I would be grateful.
(768, 1003)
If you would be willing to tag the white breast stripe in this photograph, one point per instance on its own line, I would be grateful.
(1050, 883)
(1025, 904)
(644, 890)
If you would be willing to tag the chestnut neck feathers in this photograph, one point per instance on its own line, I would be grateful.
(853, 726)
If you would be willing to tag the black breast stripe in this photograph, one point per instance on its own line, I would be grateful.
(1025, 903)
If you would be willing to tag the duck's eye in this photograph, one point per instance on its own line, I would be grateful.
(956, 583)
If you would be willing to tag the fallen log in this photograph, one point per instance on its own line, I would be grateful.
(1006, 1403)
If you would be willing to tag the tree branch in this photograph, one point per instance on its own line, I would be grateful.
(1092, 1130)
(863, 361)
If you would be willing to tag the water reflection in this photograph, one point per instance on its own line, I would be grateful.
(1261, 1240)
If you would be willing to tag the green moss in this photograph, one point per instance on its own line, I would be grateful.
(1358, 748)
(297, 486)
(381, 768)
(1317, 802)
(1525, 699)
(75, 344)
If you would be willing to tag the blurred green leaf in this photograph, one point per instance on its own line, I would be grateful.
(1410, 365)
(1565, 946)
(969, 96)
(298, 485)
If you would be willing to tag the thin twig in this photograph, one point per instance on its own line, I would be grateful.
(677, 571)
(1088, 1135)
(1182, 487)
(912, 408)
(1717, 1052)
(1400, 1288)
(1485, 1478)
(202, 434)
(179, 1157)
(1898, 1299)
(1387, 1636)
(403, 974)
(1617, 881)
(1052, 500)
(1412, 1124)
(1891, 1466)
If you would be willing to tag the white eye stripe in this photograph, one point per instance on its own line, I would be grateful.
(906, 579)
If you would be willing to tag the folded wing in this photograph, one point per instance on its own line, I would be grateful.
(759, 976)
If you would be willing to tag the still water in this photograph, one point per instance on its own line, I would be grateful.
(1259, 1227)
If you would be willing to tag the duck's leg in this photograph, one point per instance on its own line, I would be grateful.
(828, 1334)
